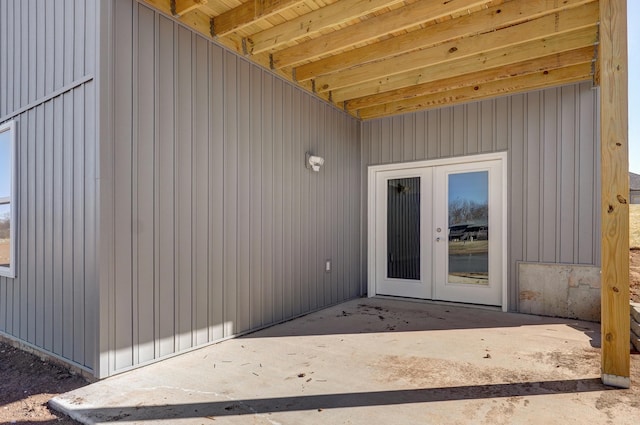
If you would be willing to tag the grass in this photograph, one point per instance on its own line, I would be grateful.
(468, 247)
(634, 225)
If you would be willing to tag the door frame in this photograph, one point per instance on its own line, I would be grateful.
(372, 244)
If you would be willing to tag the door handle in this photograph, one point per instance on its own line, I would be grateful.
(437, 239)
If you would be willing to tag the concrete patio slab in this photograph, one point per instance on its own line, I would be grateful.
(376, 361)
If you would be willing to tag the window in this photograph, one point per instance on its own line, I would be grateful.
(7, 199)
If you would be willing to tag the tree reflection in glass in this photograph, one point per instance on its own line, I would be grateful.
(468, 241)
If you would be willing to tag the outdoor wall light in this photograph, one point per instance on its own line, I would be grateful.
(313, 162)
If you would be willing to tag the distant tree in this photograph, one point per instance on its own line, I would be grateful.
(4, 227)
(463, 211)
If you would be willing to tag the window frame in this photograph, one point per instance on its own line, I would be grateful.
(10, 127)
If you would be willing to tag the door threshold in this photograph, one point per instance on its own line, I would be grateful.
(437, 302)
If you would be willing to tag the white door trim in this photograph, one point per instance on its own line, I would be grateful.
(372, 244)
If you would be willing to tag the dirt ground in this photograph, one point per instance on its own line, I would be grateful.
(4, 251)
(26, 385)
(634, 274)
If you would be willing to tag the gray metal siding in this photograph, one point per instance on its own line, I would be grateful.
(218, 226)
(44, 46)
(47, 62)
(551, 138)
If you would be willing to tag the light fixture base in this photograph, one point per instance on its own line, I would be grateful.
(313, 162)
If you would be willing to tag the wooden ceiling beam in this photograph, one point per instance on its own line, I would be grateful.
(248, 13)
(497, 17)
(329, 16)
(198, 21)
(506, 86)
(547, 63)
(161, 5)
(538, 29)
(182, 7)
(462, 58)
(585, 37)
(370, 29)
(195, 19)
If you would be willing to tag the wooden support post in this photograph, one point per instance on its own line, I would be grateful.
(614, 163)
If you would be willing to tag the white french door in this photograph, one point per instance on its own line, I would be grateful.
(437, 230)
(405, 262)
(468, 256)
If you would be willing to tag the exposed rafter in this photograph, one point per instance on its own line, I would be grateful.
(195, 19)
(182, 7)
(383, 57)
(490, 20)
(485, 60)
(547, 63)
(249, 13)
(335, 14)
(501, 87)
(541, 29)
(381, 25)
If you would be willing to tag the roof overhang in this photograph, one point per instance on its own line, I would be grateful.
(375, 58)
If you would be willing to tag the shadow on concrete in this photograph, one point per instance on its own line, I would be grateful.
(319, 403)
(590, 329)
(376, 315)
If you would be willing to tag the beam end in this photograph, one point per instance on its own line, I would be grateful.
(616, 381)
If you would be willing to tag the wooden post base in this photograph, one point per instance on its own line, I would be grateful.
(616, 381)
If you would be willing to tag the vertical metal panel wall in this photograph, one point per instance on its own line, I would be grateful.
(552, 143)
(47, 61)
(218, 228)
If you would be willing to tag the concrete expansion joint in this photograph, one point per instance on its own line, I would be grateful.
(184, 390)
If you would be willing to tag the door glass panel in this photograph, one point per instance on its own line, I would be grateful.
(468, 241)
(403, 228)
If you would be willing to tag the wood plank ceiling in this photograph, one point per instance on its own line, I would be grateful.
(377, 58)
